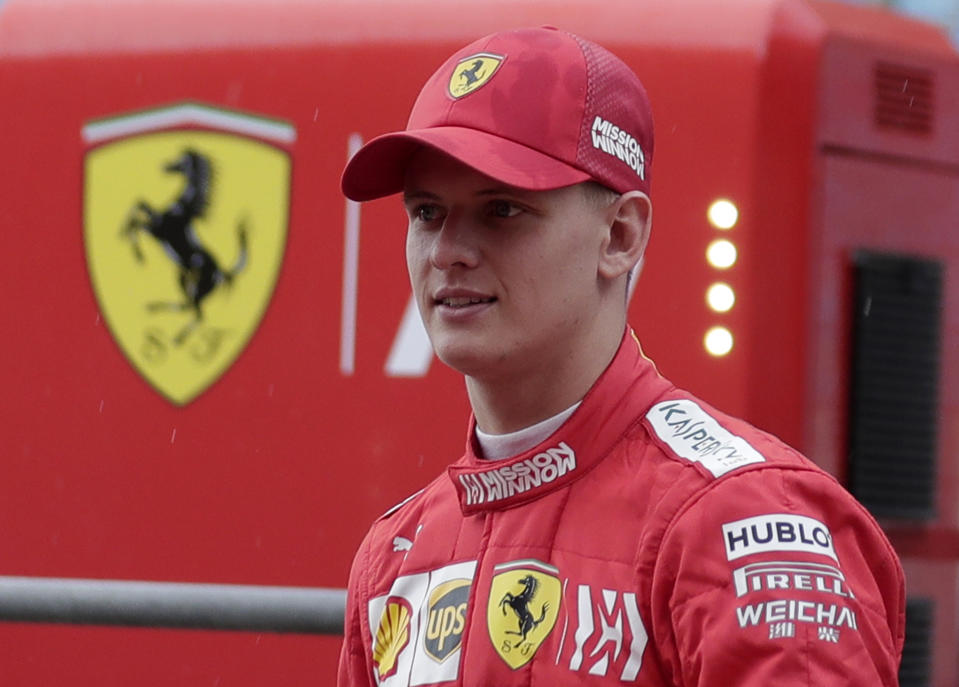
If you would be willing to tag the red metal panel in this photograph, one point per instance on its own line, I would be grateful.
(891, 189)
(937, 578)
(272, 474)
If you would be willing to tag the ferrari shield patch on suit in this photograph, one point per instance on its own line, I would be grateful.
(523, 605)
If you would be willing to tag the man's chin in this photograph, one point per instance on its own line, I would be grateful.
(469, 358)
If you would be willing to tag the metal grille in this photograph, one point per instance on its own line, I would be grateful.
(916, 669)
(894, 390)
(249, 608)
(904, 98)
(277, 609)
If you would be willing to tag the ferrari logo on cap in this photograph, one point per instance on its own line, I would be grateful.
(472, 72)
(185, 230)
(523, 605)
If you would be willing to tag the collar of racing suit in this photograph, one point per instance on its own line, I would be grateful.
(617, 400)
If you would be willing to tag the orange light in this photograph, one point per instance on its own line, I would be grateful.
(718, 341)
(721, 254)
(723, 214)
(721, 297)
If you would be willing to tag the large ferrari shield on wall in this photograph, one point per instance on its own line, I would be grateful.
(185, 229)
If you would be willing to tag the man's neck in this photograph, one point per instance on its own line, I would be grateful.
(509, 403)
(500, 446)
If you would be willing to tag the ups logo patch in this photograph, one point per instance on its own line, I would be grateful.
(184, 233)
(523, 605)
(447, 618)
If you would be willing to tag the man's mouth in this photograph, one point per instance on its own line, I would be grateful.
(463, 301)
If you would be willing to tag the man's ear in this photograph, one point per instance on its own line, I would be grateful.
(629, 220)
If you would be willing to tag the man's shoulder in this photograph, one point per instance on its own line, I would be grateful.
(689, 430)
(679, 447)
(739, 473)
(399, 506)
(433, 500)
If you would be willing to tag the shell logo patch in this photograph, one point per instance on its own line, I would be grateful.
(447, 618)
(185, 231)
(523, 605)
(392, 636)
(418, 626)
(473, 72)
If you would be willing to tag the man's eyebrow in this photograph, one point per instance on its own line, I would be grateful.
(419, 195)
(500, 190)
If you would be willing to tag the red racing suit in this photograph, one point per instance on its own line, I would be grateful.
(651, 540)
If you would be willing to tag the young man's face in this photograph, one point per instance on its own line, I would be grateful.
(506, 280)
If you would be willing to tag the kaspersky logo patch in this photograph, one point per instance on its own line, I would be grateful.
(473, 72)
(523, 605)
(185, 220)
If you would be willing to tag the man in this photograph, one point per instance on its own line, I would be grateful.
(603, 526)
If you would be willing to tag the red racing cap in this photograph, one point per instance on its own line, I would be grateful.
(534, 108)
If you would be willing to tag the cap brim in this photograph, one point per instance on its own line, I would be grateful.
(378, 168)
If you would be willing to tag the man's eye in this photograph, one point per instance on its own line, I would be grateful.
(427, 213)
(504, 208)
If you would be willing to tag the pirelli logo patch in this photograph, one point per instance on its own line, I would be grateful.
(693, 434)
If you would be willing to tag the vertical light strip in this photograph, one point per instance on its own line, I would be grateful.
(351, 269)
(721, 254)
(411, 353)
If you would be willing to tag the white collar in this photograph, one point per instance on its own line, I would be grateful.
(499, 446)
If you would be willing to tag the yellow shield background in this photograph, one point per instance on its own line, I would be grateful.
(504, 622)
(250, 186)
(472, 72)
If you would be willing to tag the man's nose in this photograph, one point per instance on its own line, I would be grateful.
(454, 245)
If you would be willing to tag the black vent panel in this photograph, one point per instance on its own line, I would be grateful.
(894, 404)
(904, 98)
(916, 669)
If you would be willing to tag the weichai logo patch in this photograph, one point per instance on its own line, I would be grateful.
(524, 601)
(185, 221)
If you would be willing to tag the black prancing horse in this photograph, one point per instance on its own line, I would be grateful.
(520, 605)
(471, 74)
(199, 273)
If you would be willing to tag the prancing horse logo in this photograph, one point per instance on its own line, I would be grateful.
(198, 271)
(520, 605)
(524, 600)
(472, 72)
(185, 215)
